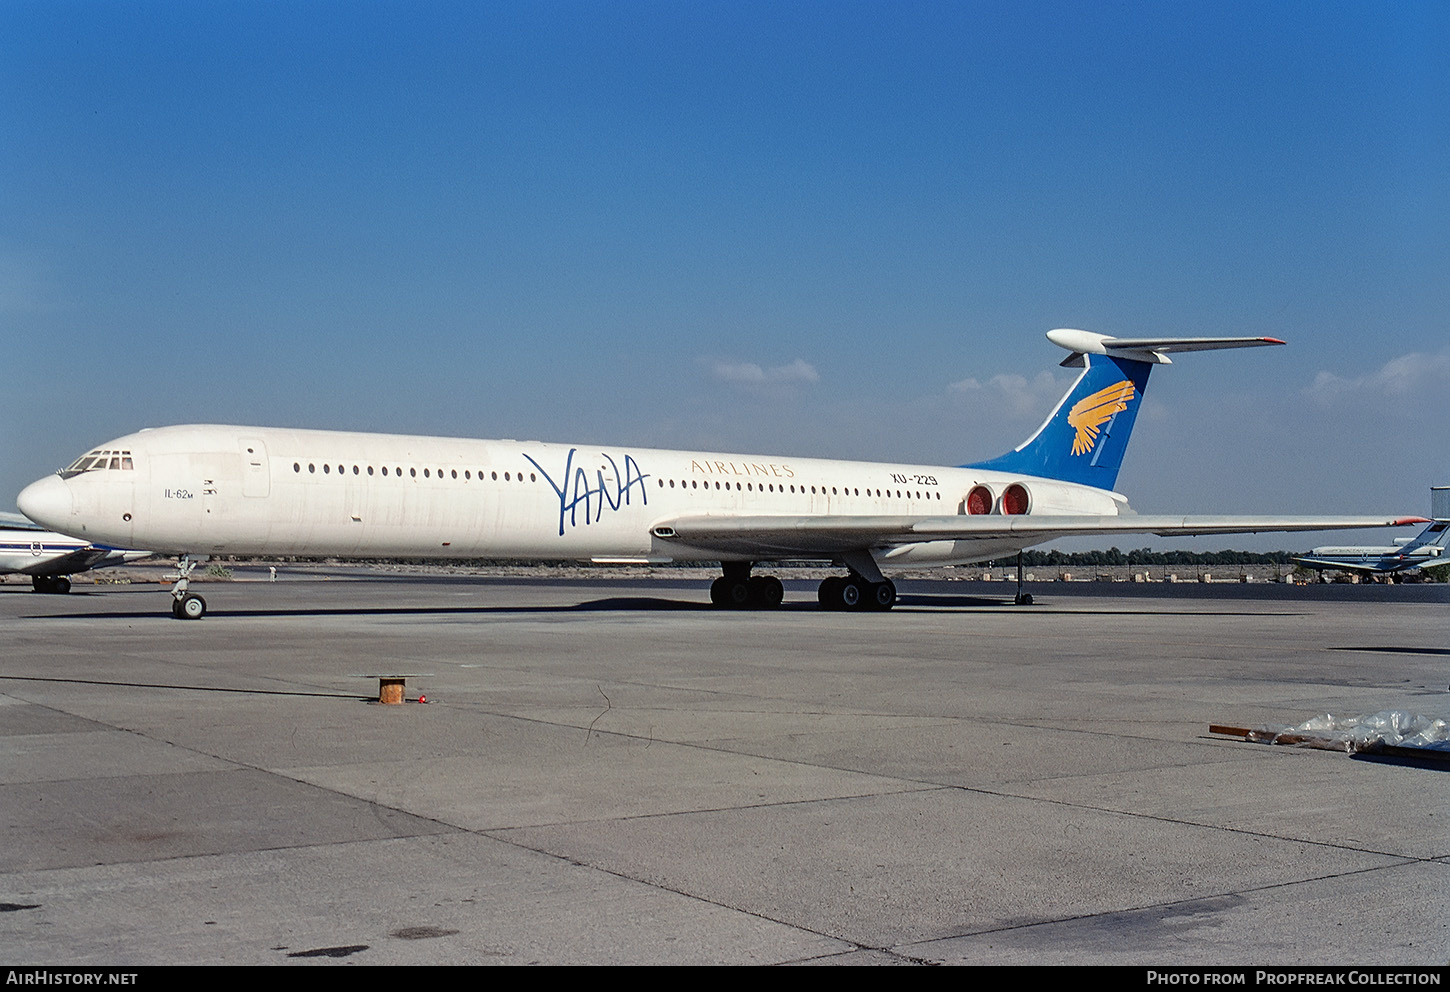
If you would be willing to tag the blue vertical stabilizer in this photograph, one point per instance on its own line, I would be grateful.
(1085, 437)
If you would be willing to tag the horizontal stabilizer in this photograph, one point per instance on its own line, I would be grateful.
(1152, 350)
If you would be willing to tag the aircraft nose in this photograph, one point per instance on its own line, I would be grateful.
(47, 502)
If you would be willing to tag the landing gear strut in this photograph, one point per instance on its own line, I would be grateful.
(1023, 598)
(737, 589)
(186, 605)
(50, 583)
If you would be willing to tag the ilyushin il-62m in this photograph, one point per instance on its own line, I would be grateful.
(203, 490)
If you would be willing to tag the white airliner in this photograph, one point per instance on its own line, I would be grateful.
(205, 490)
(50, 559)
(1407, 554)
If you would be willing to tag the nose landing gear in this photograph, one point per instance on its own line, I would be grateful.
(186, 605)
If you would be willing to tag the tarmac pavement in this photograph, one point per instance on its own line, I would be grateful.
(609, 771)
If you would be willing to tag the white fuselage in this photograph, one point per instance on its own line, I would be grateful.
(216, 490)
(1377, 559)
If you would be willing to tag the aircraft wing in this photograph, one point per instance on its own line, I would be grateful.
(827, 536)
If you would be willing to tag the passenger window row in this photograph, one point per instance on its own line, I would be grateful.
(468, 475)
(396, 472)
(801, 489)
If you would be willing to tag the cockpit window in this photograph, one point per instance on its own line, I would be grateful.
(95, 461)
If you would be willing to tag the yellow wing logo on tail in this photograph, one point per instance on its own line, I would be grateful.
(1091, 412)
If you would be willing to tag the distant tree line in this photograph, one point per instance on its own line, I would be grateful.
(1147, 556)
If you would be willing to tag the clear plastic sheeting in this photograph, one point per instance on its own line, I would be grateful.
(1356, 734)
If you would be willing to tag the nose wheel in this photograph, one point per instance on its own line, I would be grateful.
(186, 605)
(189, 607)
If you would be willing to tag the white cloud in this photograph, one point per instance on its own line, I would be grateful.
(753, 377)
(1015, 395)
(1400, 378)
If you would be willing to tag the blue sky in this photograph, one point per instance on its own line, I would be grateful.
(834, 229)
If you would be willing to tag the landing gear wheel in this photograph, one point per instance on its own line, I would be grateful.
(190, 607)
(849, 593)
(735, 589)
(766, 592)
(732, 594)
(1023, 599)
(60, 584)
(826, 594)
(883, 595)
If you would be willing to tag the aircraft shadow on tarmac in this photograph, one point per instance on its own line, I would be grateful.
(908, 604)
(1428, 764)
(1395, 650)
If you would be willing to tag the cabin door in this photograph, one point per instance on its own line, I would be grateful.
(256, 477)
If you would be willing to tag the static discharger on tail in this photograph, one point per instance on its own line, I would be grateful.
(202, 490)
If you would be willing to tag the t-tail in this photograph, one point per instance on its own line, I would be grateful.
(1437, 534)
(1085, 437)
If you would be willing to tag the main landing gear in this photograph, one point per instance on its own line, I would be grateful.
(186, 605)
(50, 583)
(863, 587)
(737, 589)
(852, 592)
